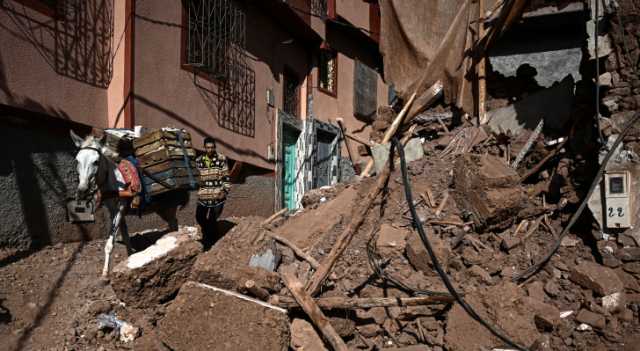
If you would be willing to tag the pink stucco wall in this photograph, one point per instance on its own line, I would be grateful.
(45, 67)
(167, 94)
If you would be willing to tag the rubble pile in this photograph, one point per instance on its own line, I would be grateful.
(486, 223)
(353, 269)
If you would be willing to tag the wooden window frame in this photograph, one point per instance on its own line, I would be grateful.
(333, 92)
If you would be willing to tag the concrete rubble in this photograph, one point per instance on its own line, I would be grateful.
(349, 270)
(154, 275)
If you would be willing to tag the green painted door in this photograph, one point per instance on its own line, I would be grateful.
(289, 168)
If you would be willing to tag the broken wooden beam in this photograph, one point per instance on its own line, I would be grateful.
(316, 281)
(249, 287)
(298, 251)
(442, 204)
(542, 162)
(510, 243)
(346, 142)
(318, 278)
(482, 73)
(391, 131)
(330, 303)
(312, 310)
(274, 216)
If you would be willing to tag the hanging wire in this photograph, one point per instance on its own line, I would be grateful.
(434, 259)
(596, 34)
(536, 267)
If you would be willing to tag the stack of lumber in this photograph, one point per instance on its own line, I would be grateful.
(166, 160)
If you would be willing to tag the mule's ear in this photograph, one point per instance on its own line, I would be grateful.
(75, 138)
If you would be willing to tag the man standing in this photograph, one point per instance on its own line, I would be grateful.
(214, 187)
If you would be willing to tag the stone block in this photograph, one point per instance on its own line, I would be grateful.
(602, 280)
(204, 317)
(412, 151)
(391, 239)
(304, 336)
(419, 257)
(154, 275)
(227, 264)
(486, 187)
(593, 319)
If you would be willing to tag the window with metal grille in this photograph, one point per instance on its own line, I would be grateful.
(319, 8)
(216, 34)
(291, 93)
(328, 71)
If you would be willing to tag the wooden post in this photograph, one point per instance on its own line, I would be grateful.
(330, 303)
(312, 261)
(274, 216)
(391, 131)
(482, 71)
(346, 142)
(314, 284)
(312, 310)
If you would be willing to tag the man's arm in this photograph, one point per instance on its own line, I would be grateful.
(226, 180)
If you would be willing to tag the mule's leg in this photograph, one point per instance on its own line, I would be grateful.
(125, 235)
(169, 215)
(108, 247)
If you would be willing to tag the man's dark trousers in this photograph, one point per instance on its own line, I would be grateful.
(207, 218)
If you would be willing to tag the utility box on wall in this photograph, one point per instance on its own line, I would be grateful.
(618, 200)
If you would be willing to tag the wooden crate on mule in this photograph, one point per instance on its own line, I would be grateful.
(166, 160)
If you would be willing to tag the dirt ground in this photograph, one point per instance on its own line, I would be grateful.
(43, 295)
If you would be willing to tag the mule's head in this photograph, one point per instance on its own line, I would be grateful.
(89, 161)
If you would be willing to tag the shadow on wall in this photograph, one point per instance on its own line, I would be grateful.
(186, 122)
(76, 42)
(37, 178)
(233, 98)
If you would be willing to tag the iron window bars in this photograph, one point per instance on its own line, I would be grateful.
(327, 70)
(216, 36)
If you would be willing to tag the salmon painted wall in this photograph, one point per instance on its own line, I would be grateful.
(328, 107)
(354, 11)
(167, 94)
(45, 67)
(115, 93)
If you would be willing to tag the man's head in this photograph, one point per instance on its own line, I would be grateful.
(209, 146)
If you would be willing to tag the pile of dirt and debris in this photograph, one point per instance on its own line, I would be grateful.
(350, 270)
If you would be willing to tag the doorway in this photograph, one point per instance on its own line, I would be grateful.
(324, 156)
(289, 157)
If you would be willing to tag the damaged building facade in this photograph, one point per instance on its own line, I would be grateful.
(495, 206)
(269, 80)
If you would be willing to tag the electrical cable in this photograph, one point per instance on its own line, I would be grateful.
(436, 264)
(595, 35)
(536, 267)
(378, 265)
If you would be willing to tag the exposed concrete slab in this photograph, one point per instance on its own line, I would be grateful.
(151, 276)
